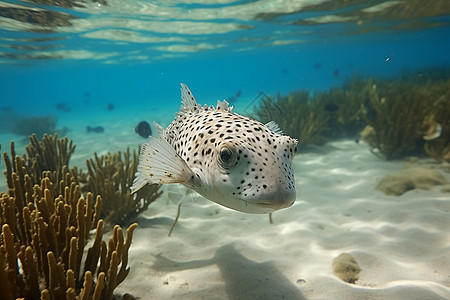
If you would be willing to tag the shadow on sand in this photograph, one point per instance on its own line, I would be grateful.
(244, 278)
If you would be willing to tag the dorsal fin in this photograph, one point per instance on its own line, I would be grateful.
(224, 105)
(272, 125)
(188, 103)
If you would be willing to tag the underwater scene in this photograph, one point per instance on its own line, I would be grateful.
(225, 149)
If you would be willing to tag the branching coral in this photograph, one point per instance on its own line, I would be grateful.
(297, 116)
(44, 236)
(46, 224)
(111, 176)
(49, 157)
(51, 153)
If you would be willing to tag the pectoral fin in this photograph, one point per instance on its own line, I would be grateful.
(159, 163)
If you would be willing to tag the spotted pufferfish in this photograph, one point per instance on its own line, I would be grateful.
(227, 158)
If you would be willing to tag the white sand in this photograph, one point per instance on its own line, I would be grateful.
(401, 243)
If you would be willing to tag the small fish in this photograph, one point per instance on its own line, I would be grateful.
(96, 129)
(233, 99)
(110, 106)
(63, 107)
(143, 129)
(331, 107)
(7, 109)
(335, 73)
(227, 158)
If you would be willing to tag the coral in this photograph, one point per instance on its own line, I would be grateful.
(396, 118)
(346, 268)
(400, 182)
(46, 228)
(35, 125)
(406, 116)
(111, 176)
(296, 115)
(324, 115)
(47, 158)
(344, 107)
(47, 233)
(410, 116)
(49, 154)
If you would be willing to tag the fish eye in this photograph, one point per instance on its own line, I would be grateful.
(227, 156)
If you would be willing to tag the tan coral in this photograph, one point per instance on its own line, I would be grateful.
(46, 226)
(60, 270)
(111, 176)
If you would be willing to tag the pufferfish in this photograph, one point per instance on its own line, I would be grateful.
(227, 158)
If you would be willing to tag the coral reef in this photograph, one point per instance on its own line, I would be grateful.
(346, 268)
(400, 182)
(298, 117)
(44, 236)
(406, 116)
(344, 107)
(46, 219)
(397, 130)
(111, 176)
(314, 119)
(409, 118)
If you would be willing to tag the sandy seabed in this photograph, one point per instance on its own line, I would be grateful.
(402, 244)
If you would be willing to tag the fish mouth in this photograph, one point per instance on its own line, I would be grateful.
(265, 207)
(276, 205)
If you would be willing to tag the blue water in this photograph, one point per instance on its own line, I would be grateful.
(74, 61)
(134, 54)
